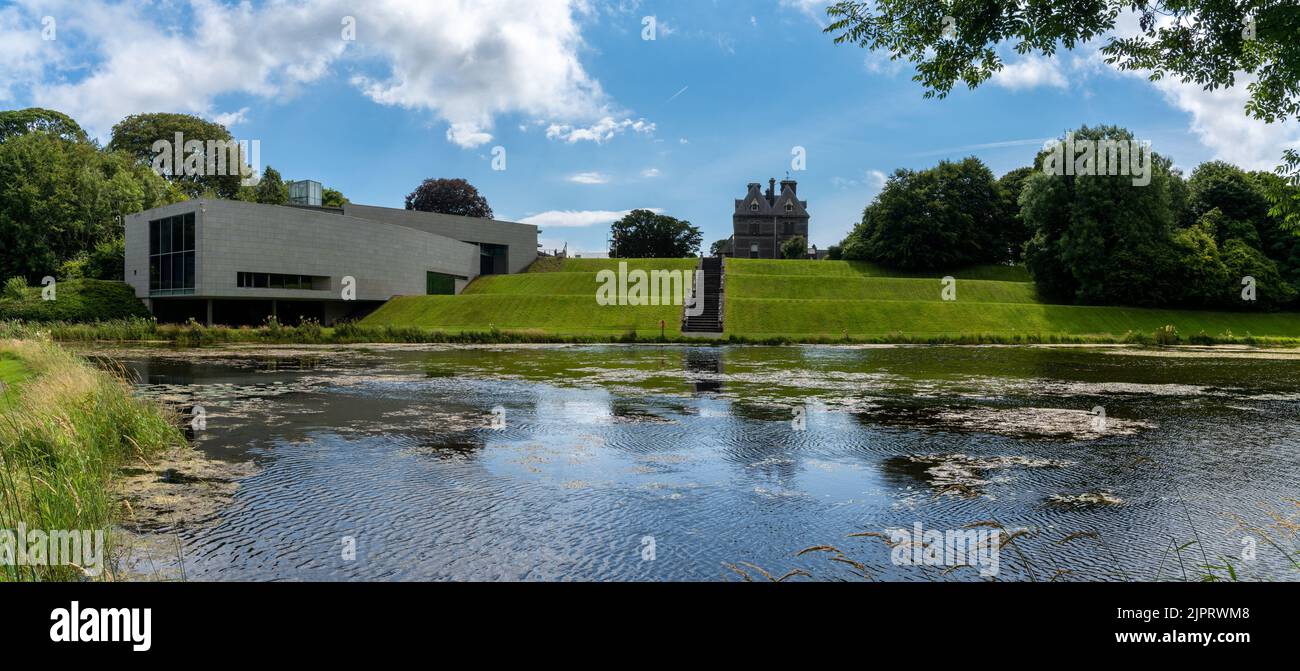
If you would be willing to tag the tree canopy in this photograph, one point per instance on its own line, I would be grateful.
(20, 122)
(949, 216)
(645, 234)
(137, 134)
(449, 196)
(60, 200)
(1207, 42)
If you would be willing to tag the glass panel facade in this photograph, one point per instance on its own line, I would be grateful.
(171, 255)
(246, 280)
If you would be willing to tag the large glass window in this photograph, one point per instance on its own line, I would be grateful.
(171, 255)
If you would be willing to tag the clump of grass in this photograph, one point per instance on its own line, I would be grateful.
(65, 429)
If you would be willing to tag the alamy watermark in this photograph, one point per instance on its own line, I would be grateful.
(654, 287)
(80, 548)
(1081, 156)
(196, 158)
(980, 548)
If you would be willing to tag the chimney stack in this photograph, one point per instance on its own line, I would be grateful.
(771, 190)
(790, 183)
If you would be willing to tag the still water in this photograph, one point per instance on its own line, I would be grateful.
(676, 463)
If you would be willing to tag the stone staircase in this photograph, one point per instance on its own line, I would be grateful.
(710, 321)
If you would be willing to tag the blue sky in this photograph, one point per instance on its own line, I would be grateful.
(594, 120)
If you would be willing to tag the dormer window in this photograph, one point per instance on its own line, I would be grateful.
(753, 207)
(789, 207)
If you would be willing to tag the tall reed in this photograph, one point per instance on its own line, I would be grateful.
(64, 431)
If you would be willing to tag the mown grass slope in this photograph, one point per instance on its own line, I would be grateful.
(834, 299)
(556, 296)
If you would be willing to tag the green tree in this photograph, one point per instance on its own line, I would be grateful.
(720, 247)
(137, 134)
(59, 199)
(1202, 273)
(1207, 42)
(795, 248)
(1244, 261)
(449, 196)
(271, 189)
(944, 217)
(1017, 233)
(36, 119)
(1227, 188)
(645, 234)
(1100, 239)
(332, 198)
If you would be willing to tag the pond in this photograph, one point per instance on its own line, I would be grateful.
(708, 463)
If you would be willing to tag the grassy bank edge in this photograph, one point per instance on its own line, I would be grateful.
(197, 335)
(66, 428)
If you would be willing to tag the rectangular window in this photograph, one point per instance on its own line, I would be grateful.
(171, 255)
(247, 280)
(438, 284)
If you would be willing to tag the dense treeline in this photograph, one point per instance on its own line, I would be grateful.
(1209, 241)
(63, 196)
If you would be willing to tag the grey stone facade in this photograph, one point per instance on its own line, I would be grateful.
(520, 238)
(386, 253)
(762, 222)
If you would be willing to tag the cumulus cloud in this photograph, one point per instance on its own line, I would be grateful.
(650, 172)
(1030, 72)
(466, 63)
(578, 218)
(602, 131)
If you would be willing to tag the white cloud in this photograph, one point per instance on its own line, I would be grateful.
(872, 180)
(578, 218)
(465, 63)
(1218, 118)
(1030, 72)
(589, 178)
(650, 172)
(878, 63)
(599, 132)
(229, 119)
(813, 9)
(1220, 122)
(22, 51)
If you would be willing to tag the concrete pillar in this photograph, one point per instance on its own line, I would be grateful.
(209, 313)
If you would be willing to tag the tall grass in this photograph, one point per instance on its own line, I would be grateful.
(65, 429)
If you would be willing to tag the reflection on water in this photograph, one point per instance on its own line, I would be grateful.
(730, 454)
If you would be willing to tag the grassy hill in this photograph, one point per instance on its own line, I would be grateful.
(556, 296)
(828, 299)
(805, 300)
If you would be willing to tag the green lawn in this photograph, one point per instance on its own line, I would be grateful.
(12, 371)
(555, 297)
(813, 287)
(804, 300)
(862, 269)
(829, 299)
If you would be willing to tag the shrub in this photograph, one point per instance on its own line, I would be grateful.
(15, 288)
